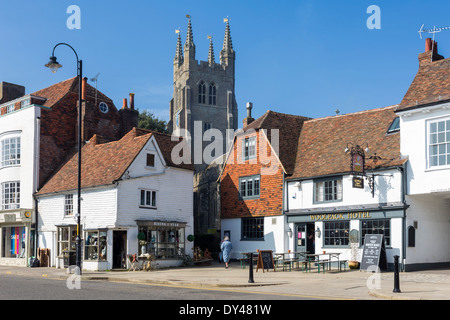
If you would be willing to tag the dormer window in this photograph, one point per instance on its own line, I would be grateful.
(395, 126)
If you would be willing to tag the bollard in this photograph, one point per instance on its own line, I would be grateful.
(396, 275)
(250, 272)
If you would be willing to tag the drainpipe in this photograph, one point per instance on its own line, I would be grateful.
(403, 169)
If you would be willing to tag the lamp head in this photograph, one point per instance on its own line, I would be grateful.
(53, 65)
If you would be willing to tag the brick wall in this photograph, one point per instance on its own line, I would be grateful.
(270, 201)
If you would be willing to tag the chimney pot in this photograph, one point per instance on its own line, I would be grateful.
(83, 88)
(132, 101)
(249, 118)
(124, 104)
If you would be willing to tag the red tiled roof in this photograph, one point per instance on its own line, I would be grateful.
(103, 163)
(289, 127)
(430, 85)
(56, 92)
(322, 142)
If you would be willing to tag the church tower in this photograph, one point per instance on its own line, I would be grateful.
(203, 95)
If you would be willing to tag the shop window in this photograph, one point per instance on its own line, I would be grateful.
(249, 187)
(68, 204)
(13, 242)
(148, 199)
(377, 226)
(162, 242)
(252, 229)
(249, 148)
(329, 190)
(439, 143)
(67, 237)
(10, 150)
(95, 245)
(336, 234)
(10, 194)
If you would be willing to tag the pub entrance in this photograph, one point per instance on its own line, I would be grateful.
(304, 235)
(119, 249)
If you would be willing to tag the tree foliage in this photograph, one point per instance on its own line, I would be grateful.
(147, 120)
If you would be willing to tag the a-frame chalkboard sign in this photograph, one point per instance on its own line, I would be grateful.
(265, 260)
(374, 252)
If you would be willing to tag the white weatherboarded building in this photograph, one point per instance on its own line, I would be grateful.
(135, 200)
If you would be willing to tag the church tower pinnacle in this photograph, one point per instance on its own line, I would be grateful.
(211, 59)
(189, 46)
(179, 51)
(227, 55)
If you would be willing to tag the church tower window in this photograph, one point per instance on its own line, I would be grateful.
(212, 94)
(201, 92)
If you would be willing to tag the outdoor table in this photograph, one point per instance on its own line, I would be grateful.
(246, 257)
(329, 260)
(296, 257)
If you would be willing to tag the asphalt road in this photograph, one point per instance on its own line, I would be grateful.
(18, 287)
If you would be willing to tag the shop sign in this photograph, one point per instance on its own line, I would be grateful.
(358, 183)
(357, 162)
(340, 216)
(10, 218)
(163, 224)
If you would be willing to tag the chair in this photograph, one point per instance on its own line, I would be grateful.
(134, 263)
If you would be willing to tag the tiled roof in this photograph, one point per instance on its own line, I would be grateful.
(430, 85)
(103, 163)
(322, 142)
(56, 92)
(289, 127)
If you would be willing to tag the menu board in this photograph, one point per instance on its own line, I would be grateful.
(374, 252)
(265, 260)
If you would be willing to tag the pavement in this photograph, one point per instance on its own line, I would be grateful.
(346, 285)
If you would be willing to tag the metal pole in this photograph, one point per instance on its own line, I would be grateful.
(78, 240)
(250, 272)
(396, 275)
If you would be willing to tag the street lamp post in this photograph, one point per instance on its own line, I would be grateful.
(54, 66)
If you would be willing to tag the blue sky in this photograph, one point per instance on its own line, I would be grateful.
(299, 57)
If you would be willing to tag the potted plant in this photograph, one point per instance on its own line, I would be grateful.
(354, 243)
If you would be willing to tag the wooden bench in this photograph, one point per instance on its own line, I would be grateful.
(244, 261)
(323, 263)
(342, 263)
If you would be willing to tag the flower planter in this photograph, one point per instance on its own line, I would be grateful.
(353, 264)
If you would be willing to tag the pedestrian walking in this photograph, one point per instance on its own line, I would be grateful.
(226, 247)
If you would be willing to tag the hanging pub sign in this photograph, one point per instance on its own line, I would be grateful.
(358, 182)
(357, 161)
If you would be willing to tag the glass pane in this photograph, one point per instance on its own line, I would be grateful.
(441, 137)
(433, 127)
(441, 126)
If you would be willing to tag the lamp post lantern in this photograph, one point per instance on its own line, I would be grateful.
(53, 65)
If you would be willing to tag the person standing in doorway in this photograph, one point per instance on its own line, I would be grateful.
(226, 247)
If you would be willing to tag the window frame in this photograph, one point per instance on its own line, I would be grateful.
(244, 183)
(212, 94)
(249, 223)
(321, 190)
(10, 156)
(151, 157)
(146, 201)
(202, 92)
(440, 148)
(329, 234)
(68, 205)
(364, 229)
(249, 148)
(94, 251)
(13, 198)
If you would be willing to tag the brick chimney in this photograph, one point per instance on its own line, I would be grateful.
(249, 118)
(128, 116)
(431, 53)
(10, 91)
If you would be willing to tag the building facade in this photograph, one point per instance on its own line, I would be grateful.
(425, 133)
(252, 182)
(135, 201)
(37, 132)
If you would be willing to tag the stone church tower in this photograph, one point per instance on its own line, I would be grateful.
(203, 95)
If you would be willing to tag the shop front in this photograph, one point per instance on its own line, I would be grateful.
(16, 237)
(326, 231)
(165, 240)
